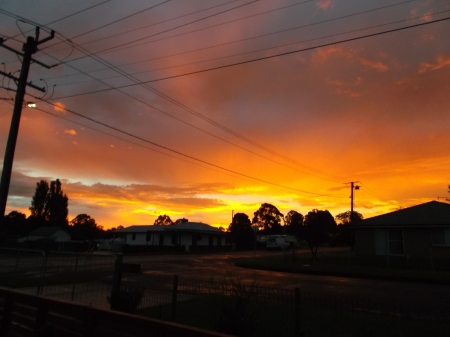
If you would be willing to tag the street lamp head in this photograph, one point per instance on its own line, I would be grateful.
(31, 105)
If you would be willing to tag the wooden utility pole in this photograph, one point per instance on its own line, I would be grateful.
(29, 48)
(352, 187)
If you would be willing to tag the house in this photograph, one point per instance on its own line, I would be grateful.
(417, 236)
(47, 233)
(181, 237)
(48, 238)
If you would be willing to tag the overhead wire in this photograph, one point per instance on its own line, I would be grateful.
(129, 134)
(68, 16)
(268, 57)
(224, 57)
(315, 171)
(257, 36)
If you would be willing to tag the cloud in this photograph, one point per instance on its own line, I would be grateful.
(441, 62)
(58, 106)
(324, 4)
(377, 65)
(70, 132)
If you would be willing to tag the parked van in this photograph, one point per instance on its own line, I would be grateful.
(277, 242)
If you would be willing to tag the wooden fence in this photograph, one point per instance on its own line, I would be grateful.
(28, 315)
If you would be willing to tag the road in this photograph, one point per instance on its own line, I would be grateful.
(220, 265)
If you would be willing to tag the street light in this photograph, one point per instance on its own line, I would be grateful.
(31, 105)
(255, 230)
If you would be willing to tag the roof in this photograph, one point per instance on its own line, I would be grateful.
(430, 214)
(184, 227)
(46, 231)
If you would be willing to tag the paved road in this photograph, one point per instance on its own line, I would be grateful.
(205, 266)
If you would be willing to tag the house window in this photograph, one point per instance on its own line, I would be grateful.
(133, 236)
(175, 240)
(441, 237)
(148, 237)
(199, 237)
(395, 241)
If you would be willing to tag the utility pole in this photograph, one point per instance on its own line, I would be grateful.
(353, 186)
(29, 48)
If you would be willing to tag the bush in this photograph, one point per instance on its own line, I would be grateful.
(127, 299)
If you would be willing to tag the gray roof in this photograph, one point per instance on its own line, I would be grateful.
(429, 214)
(184, 227)
(46, 231)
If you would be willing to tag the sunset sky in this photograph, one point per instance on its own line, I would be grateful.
(199, 108)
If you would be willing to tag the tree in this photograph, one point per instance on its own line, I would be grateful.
(163, 220)
(345, 217)
(318, 226)
(269, 218)
(49, 204)
(294, 222)
(39, 201)
(83, 226)
(180, 221)
(241, 231)
(16, 224)
(344, 235)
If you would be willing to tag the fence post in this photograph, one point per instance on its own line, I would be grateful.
(17, 261)
(174, 298)
(75, 279)
(298, 315)
(43, 269)
(117, 275)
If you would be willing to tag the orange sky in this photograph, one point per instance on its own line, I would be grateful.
(373, 110)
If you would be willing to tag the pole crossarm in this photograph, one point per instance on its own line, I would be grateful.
(23, 55)
(17, 80)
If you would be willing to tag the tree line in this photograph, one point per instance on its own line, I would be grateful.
(317, 226)
(50, 207)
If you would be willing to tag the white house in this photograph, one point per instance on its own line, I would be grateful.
(190, 235)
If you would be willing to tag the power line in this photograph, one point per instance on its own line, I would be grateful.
(194, 112)
(223, 57)
(67, 16)
(115, 21)
(186, 155)
(153, 24)
(257, 36)
(260, 58)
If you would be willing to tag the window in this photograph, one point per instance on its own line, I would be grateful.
(148, 237)
(440, 237)
(133, 236)
(175, 239)
(199, 237)
(395, 241)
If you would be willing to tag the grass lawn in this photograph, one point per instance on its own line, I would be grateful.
(336, 262)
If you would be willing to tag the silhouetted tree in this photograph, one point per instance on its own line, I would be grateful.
(241, 231)
(318, 225)
(49, 204)
(85, 227)
(345, 217)
(180, 221)
(163, 220)
(16, 224)
(39, 201)
(293, 222)
(343, 233)
(269, 218)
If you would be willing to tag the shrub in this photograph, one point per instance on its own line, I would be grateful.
(127, 299)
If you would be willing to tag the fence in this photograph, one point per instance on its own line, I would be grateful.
(227, 305)
(84, 278)
(28, 315)
(234, 307)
